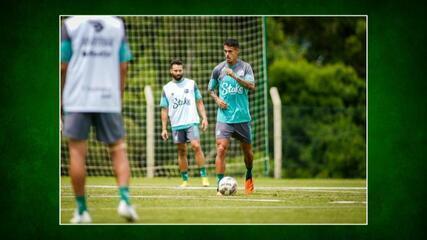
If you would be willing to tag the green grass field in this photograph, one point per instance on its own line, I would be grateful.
(161, 201)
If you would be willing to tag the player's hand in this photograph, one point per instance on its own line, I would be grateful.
(221, 103)
(229, 72)
(204, 124)
(165, 135)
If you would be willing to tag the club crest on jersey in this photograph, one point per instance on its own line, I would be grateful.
(186, 90)
(97, 25)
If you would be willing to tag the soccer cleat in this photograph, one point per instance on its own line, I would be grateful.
(249, 186)
(205, 182)
(127, 211)
(184, 184)
(81, 218)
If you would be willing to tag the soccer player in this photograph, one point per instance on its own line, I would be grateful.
(180, 101)
(233, 78)
(94, 56)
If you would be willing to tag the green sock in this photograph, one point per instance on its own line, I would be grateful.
(248, 173)
(219, 176)
(81, 203)
(203, 172)
(184, 175)
(124, 194)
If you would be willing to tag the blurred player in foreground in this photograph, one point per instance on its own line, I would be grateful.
(94, 56)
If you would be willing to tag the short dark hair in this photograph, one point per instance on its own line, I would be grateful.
(176, 61)
(231, 42)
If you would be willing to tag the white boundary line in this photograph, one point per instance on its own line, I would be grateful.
(222, 207)
(215, 198)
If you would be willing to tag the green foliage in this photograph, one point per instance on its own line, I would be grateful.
(304, 83)
(324, 102)
(323, 39)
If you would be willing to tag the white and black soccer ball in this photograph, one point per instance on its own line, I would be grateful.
(227, 186)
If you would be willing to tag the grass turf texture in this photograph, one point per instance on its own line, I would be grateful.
(161, 201)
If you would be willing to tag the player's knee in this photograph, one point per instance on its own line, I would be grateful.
(196, 147)
(119, 146)
(221, 149)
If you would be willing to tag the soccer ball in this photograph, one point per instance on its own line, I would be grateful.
(227, 186)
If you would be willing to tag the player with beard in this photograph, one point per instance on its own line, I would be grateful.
(182, 102)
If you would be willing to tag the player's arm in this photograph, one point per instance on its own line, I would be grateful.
(64, 67)
(221, 103)
(66, 53)
(213, 85)
(202, 112)
(201, 107)
(164, 116)
(123, 75)
(164, 104)
(125, 56)
(248, 84)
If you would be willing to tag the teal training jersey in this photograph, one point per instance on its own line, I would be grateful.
(234, 94)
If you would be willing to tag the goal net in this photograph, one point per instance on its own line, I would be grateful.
(198, 41)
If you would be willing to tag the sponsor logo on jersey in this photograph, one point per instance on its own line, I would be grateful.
(228, 88)
(96, 54)
(180, 102)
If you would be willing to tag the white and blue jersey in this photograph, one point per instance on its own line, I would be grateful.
(93, 47)
(180, 98)
(235, 95)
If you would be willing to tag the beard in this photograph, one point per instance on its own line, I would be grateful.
(177, 77)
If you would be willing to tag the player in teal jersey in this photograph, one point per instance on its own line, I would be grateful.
(233, 79)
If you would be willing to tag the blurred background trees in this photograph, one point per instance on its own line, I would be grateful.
(319, 66)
